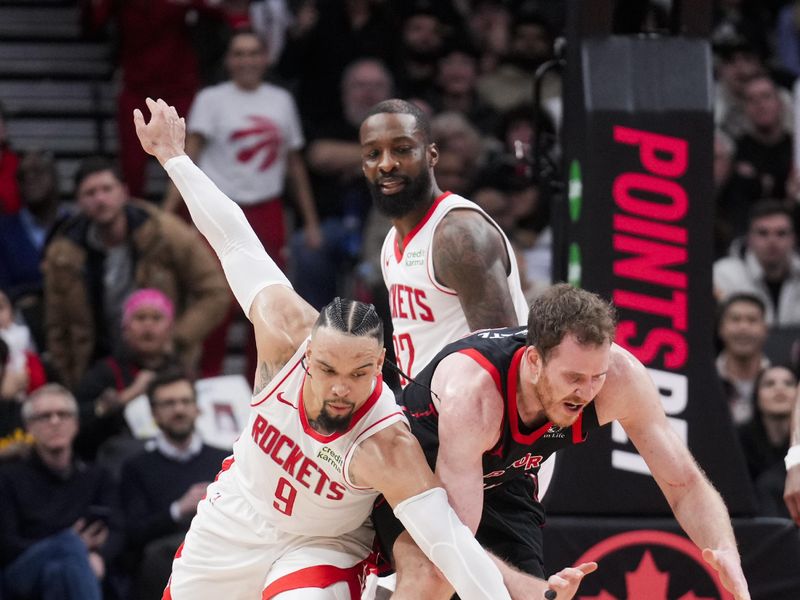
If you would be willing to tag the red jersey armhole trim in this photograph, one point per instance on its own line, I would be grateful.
(410, 235)
(486, 364)
(513, 413)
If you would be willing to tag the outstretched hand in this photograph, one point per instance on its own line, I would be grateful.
(726, 563)
(165, 135)
(565, 583)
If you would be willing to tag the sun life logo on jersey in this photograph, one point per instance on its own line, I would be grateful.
(329, 456)
(415, 258)
(555, 432)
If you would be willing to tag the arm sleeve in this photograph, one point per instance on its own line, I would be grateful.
(247, 266)
(450, 545)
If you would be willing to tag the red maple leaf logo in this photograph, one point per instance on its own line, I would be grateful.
(265, 137)
(645, 583)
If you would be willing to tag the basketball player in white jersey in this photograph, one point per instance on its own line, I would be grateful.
(447, 265)
(285, 518)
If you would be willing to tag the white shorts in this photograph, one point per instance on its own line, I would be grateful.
(232, 552)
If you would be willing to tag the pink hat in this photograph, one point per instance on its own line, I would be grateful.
(150, 298)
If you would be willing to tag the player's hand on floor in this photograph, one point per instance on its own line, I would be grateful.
(565, 583)
(726, 563)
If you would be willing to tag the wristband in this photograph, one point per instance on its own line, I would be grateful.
(792, 457)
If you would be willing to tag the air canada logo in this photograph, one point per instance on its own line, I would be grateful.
(261, 138)
(649, 565)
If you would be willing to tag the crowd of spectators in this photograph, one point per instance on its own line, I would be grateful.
(110, 294)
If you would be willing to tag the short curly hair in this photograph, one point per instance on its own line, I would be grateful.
(564, 309)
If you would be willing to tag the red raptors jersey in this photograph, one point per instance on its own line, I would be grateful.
(296, 477)
(425, 314)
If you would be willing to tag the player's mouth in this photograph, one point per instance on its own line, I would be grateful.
(392, 185)
(574, 407)
(339, 408)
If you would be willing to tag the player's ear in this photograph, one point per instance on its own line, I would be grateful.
(433, 154)
(535, 362)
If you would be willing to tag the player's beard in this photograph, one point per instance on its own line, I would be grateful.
(414, 194)
(331, 423)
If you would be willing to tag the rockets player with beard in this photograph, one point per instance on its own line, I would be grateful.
(490, 407)
(447, 265)
(288, 516)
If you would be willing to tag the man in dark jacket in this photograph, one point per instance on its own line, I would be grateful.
(114, 246)
(59, 529)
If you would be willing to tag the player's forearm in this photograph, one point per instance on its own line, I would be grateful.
(521, 586)
(704, 516)
(247, 266)
(450, 545)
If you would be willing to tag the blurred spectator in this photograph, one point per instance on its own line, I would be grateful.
(24, 235)
(271, 19)
(765, 439)
(489, 24)
(162, 485)
(9, 161)
(246, 135)
(60, 527)
(423, 35)
(742, 329)
(111, 247)
(13, 439)
(24, 371)
(157, 59)
(767, 266)
(327, 36)
(737, 63)
(455, 85)
(764, 153)
(343, 201)
(728, 201)
(787, 38)
(452, 132)
(148, 318)
(511, 84)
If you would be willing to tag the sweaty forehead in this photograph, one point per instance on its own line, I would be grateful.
(388, 126)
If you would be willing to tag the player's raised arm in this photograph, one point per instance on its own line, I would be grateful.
(281, 318)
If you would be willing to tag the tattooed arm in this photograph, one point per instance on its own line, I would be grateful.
(470, 257)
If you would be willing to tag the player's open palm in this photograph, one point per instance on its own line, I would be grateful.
(565, 583)
(726, 564)
(165, 134)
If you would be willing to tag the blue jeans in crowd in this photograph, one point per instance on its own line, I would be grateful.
(55, 568)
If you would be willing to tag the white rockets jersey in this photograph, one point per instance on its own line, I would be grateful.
(425, 314)
(296, 477)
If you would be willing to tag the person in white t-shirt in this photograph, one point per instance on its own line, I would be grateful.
(288, 516)
(245, 134)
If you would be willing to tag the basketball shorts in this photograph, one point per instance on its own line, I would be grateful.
(232, 552)
(510, 526)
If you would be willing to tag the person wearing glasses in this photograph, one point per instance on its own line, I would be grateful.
(161, 486)
(59, 527)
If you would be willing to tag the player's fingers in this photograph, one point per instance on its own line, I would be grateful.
(557, 582)
(587, 567)
(138, 117)
(151, 104)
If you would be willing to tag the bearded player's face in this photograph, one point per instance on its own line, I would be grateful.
(397, 161)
